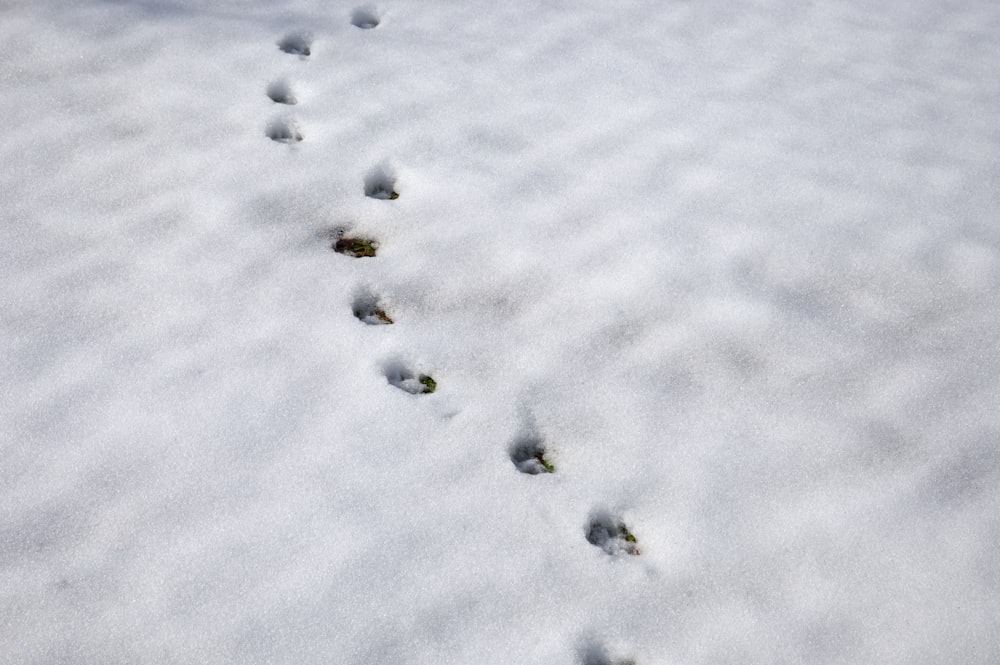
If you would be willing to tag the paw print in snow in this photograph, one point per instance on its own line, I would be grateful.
(610, 534)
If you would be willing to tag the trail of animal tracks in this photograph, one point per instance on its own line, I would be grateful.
(575, 333)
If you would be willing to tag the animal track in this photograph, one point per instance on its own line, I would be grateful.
(381, 184)
(529, 456)
(595, 654)
(368, 310)
(281, 92)
(283, 131)
(610, 534)
(365, 18)
(356, 247)
(297, 43)
(405, 379)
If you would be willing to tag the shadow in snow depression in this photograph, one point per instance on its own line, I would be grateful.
(380, 183)
(283, 130)
(404, 378)
(609, 532)
(595, 653)
(280, 92)
(297, 43)
(528, 453)
(369, 310)
(365, 18)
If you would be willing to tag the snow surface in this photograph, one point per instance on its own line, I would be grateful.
(735, 263)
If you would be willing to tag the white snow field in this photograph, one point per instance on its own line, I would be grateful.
(731, 268)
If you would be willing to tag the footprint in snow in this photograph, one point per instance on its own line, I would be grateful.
(280, 92)
(381, 184)
(529, 455)
(283, 131)
(369, 310)
(595, 653)
(365, 18)
(357, 246)
(610, 534)
(297, 43)
(402, 377)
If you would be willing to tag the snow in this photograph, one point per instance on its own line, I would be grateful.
(733, 265)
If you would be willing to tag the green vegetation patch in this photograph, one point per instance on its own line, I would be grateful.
(631, 546)
(429, 384)
(546, 464)
(373, 316)
(356, 247)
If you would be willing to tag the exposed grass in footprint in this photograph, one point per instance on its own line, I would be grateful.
(381, 184)
(283, 131)
(365, 18)
(375, 317)
(529, 456)
(368, 310)
(384, 194)
(356, 247)
(402, 377)
(611, 534)
(296, 43)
